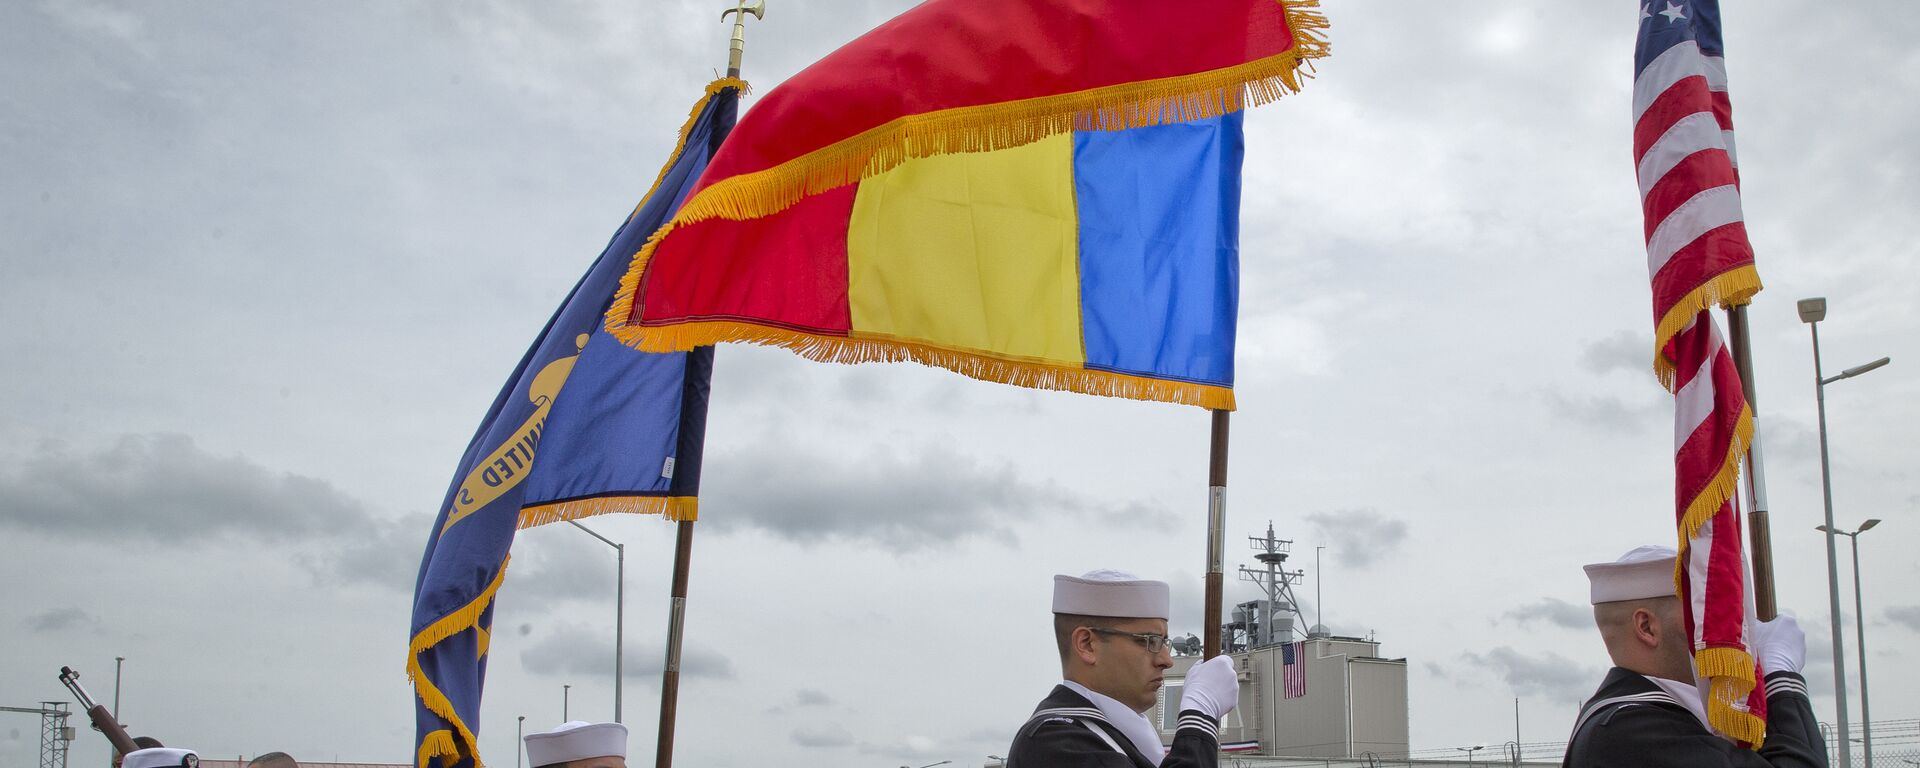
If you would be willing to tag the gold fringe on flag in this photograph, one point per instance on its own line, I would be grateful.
(1030, 373)
(1725, 482)
(680, 145)
(670, 508)
(982, 128)
(1731, 673)
(990, 127)
(459, 620)
(436, 744)
(1731, 288)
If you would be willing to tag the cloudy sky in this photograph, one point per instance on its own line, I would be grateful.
(265, 266)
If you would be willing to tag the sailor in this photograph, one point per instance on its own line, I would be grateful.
(579, 744)
(1111, 631)
(161, 757)
(1650, 711)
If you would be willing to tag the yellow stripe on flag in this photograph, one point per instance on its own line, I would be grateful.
(971, 251)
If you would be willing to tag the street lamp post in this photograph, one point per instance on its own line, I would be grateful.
(1471, 750)
(1860, 636)
(117, 661)
(566, 692)
(619, 613)
(519, 740)
(1812, 311)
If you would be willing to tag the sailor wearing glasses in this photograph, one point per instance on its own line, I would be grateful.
(1111, 629)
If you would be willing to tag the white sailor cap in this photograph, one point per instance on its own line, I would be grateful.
(1111, 593)
(1639, 574)
(576, 740)
(160, 757)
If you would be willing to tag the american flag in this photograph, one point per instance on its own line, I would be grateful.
(1698, 256)
(1697, 249)
(1293, 670)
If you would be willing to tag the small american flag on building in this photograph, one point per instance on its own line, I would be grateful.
(1293, 670)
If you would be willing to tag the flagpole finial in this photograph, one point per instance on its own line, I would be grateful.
(739, 45)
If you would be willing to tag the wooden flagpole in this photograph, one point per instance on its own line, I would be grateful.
(1759, 538)
(683, 538)
(1216, 531)
(676, 617)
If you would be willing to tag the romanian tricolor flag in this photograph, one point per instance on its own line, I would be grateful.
(1038, 192)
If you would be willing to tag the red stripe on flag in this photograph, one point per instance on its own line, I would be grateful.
(1723, 110)
(1687, 97)
(1721, 249)
(1705, 169)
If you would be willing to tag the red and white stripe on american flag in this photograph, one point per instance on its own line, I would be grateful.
(1713, 427)
(1698, 254)
(1294, 671)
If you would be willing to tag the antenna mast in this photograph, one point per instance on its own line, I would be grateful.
(1278, 583)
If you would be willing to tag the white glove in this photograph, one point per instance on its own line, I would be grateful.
(1780, 645)
(1212, 687)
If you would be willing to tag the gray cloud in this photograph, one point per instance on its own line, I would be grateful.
(61, 619)
(830, 736)
(576, 650)
(561, 568)
(905, 500)
(384, 554)
(1559, 613)
(1359, 537)
(1905, 615)
(1624, 351)
(163, 487)
(805, 698)
(1609, 413)
(1548, 675)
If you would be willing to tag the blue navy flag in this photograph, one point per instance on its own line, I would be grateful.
(585, 425)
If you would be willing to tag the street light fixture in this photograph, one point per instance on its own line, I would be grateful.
(1859, 634)
(1470, 751)
(619, 613)
(1812, 311)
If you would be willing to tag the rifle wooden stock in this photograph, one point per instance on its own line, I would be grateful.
(104, 723)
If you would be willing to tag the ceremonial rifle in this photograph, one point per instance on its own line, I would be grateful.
(102, 719)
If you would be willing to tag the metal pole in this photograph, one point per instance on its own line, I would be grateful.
(1319, 581)
(1516, 731)
(113, 755)
(564, 691)
(519, 740)
(676, 620)
(1759, 533)
(619, 612)
(1860, 637)
(619, 627)
(1833, 567)
(1216, 530)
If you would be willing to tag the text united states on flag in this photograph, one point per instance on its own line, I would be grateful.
(1698, 256)
(1697, 249)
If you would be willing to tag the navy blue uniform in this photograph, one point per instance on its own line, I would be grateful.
(1632, 722)
(1067, 731)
